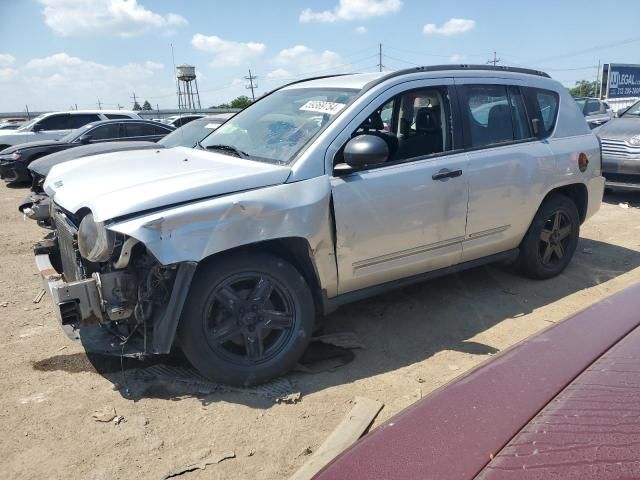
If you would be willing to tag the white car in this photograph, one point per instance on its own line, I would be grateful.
(55, 125)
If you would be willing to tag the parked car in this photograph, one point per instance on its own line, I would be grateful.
(36, 205)
(14, 161)
(595, 111)
(55, 125)
(307, 199)
(180, 120)
(558, 405)
(621, 150)
(9, 126)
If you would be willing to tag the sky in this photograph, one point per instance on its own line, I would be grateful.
(55, 54)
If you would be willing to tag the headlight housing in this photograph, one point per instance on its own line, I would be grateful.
(95, 242)
(16, 155)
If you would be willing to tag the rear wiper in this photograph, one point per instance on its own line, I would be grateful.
(230, 149)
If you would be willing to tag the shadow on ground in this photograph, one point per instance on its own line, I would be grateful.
(399, 329)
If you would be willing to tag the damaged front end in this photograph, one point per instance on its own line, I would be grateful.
(102, 282)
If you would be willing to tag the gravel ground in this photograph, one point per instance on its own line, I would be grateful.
(416, 339)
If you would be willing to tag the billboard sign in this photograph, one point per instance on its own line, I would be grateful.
(621, 80)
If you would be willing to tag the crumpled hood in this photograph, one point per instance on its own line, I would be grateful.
(620, 128)
(115, 184)
(43, 165)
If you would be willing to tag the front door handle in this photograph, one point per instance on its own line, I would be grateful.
(446, 173)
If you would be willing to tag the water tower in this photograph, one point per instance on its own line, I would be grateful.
(188, 96)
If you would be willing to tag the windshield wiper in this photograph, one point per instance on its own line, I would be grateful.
(230, 149)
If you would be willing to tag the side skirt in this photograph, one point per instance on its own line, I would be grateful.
(331, 304)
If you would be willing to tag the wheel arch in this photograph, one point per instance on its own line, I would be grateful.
(295, 250)
(577, 192)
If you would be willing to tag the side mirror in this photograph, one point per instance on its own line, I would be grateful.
(366, 150)
(37, 128)
(84, 139)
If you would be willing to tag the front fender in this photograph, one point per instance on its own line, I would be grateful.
(195, 231)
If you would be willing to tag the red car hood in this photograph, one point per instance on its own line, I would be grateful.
(478, 423)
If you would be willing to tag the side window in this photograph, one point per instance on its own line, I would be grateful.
(414, 124)
(593, 106)
(139, 130)
(495, 114)
(488, 114)
(55, 122)
(116, 116)
(81, 119)
(160, 130)
(106, 132)
(546, 103)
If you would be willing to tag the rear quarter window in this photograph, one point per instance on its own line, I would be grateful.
(544, 106)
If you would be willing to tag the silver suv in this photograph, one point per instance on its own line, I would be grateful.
(323, 192)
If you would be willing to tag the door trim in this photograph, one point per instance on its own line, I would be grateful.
(406, 253)
(331, 304)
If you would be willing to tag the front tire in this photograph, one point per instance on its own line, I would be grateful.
(551, 240)
(248, 319)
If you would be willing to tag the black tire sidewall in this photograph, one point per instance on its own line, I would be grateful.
(529, 261)
(195, 345)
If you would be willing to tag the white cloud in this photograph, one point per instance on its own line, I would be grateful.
(361, 30)
(153, 65)
(302, 60)
(352, 10)
(124, 18)
(226, 52)
(60, 80)
(6, 60)
(452, 26)
(279, 73)
(456, 58)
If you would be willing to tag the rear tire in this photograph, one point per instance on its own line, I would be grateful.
(551, 240)
(248, 318)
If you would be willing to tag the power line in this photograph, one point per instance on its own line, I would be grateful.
(589, 50)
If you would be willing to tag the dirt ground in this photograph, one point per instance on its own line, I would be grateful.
(416, 339)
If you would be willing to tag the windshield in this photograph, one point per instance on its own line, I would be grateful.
(190, 134)
(634, 111)
(581, 102)
(277, 127)
(27, 126)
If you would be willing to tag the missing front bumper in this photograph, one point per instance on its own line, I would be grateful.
(75, 304)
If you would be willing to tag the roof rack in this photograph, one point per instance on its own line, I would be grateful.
(439, 68)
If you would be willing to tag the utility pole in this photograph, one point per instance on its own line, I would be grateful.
(380, 66)
(28, 115)
(495, 60)
(596, 90)
(99, 105)
(135, 100)
(251, 86)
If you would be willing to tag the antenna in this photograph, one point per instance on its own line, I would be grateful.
(251, 85)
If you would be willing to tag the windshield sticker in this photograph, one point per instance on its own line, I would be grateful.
(322, 107)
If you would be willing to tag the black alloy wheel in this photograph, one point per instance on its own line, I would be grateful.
(248, 318)
(551, 240)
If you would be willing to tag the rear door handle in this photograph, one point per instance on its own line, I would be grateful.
(446, 173)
